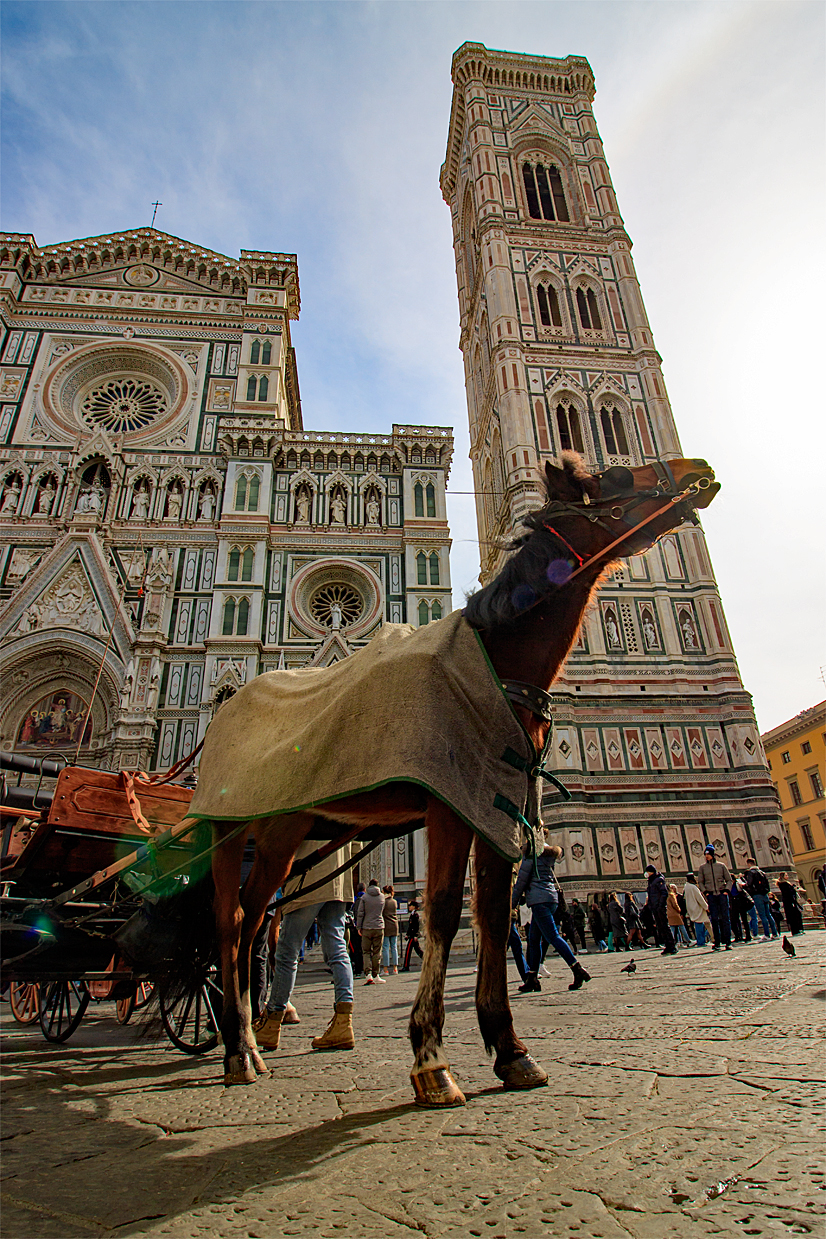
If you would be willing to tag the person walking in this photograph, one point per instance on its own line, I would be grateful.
(390, 946)
(537, 881)
(741, 905)
(370, 924)
(791, 908)
(696, 910)
(413, 931)
(714, 880)
(578, 922)
(328, 907)
(597, 925)
(515, 944)
(675, 917)
(619, 927)
(821, 890)
(656, 902)
(633, 922)
(355, 936)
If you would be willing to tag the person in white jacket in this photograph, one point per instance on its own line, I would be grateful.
(697, 909)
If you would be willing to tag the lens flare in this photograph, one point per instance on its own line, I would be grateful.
(559, 570)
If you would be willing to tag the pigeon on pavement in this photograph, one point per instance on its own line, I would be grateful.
(632, 967)
(788, 947)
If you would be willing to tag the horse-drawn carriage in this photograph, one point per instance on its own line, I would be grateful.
(77, 862)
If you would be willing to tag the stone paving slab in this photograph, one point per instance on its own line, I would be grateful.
(686, 1100)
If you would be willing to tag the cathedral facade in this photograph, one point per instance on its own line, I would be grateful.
(655, 735)
(169, 529)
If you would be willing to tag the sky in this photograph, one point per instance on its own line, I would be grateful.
(319, 129)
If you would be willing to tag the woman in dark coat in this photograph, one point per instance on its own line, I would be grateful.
(791, 908)
(597, 924)
(618, 925)
(632, 920)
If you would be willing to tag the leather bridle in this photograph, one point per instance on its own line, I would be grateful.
(529, 696)
(621, 504)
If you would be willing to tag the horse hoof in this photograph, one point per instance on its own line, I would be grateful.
(436, 1088)
(522, 1072)
(258, 1063)
(239, 1069)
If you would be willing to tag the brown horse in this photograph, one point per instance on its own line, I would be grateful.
(528, 618)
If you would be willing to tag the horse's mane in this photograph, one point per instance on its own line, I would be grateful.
(524, 579)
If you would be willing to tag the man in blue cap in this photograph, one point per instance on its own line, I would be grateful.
(714, 880)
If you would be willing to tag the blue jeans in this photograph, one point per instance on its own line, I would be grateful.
(294, 928)
(515, 944)
(763, 909)
(680, 933)
(543, 925)
(390, 951)
(718, 912)
(700, 933)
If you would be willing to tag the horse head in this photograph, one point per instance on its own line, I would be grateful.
(627, 509)
(588, 521)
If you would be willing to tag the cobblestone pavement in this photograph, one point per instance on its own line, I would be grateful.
(685, 1100)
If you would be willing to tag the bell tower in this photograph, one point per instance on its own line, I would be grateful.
(655, 735)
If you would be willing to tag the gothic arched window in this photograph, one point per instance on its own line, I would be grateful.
(418, 499)
(424, 614)
(421, 568)
(255, 350)
(241, 494)
(434, 568)
(252, 493)
(229, 618)
(243, 617)
(247, 560)
(266, 353)
(430, 497)
(234, 564)
(613, 430)
(263, 387)
(548, 301)
(586, 300)
(570, 434)
(252, 383)
(436, 611)
(544, 192)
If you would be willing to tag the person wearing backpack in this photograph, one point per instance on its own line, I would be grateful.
(758, 886)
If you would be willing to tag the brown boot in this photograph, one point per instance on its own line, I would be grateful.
(267, 1029)
(339, 1034)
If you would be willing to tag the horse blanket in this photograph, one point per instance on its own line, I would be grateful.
(415, 705)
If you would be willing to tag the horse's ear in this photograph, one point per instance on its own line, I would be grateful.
(561, 484)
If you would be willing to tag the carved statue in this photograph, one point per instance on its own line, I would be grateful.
(206, 508)
(140, 505)
(11, 497)
(174, 503)
(336, 616)
(302, 504)
(45, 496)
(160, 566)
(373, 511)
(338, 509)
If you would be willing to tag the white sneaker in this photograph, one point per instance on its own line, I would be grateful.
(765, 938)
(369, 980)
(379, 980)
(543, 971)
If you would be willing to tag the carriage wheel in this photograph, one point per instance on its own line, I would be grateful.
(193, 1021)
(139, 997)
(24, 1000)
(62, 1006)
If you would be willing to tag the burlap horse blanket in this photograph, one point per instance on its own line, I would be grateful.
(416, 705)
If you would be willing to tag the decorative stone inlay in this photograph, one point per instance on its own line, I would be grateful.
(123, 405)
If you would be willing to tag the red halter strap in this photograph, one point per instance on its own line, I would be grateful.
(564, 542)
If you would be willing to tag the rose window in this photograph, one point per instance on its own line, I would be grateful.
(124, 404)
(336, 601)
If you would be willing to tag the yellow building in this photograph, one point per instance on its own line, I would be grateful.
(796, 752)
